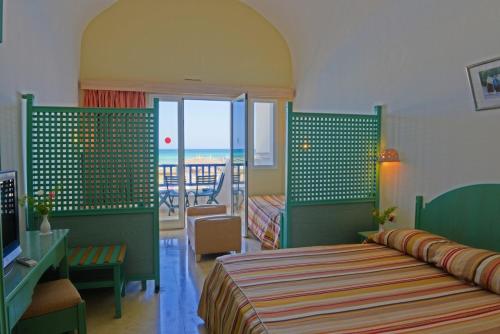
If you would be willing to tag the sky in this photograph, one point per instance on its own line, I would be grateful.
(206, 124)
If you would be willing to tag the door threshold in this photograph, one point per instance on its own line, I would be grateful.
(167, 226)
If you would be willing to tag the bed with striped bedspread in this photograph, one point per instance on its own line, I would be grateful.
(264, 214)
(361, 289)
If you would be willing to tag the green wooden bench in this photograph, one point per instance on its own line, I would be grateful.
(100, 258)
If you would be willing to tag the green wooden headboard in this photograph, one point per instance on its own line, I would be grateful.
(469, 215)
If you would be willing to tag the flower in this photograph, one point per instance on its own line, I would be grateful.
(42, 202)
(386, 216)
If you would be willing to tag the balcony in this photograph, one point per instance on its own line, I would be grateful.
(205, 183)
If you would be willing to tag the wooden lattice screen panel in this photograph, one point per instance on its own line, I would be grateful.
(103, 160)
(332, 158)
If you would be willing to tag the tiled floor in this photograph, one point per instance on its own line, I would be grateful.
(173, 310)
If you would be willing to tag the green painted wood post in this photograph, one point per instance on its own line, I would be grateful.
(3, 307)
(287, 219)
(378, 111)
(156, 232)
(419, 205)
(29, 157)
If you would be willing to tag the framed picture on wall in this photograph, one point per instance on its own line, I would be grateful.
(484, 79)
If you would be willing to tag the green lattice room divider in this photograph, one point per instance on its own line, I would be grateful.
(331, 159)
(103, 160)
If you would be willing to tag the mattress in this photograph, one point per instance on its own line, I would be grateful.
(360, 288)
(264, 213)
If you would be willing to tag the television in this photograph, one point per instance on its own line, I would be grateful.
(9, 209)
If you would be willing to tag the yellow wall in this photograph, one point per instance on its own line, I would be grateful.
(221, 42)
(218, 41)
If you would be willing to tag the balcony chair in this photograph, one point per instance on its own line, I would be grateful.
(206, 186)
(169, 193)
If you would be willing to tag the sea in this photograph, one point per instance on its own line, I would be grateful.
(196, 155)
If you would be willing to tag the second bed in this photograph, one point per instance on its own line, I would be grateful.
(264, 219)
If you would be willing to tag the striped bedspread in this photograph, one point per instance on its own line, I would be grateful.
(264, 218)
(361, 289)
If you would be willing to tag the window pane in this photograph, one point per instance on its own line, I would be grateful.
(263, 117)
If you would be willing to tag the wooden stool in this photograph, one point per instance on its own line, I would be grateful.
(56, 307)
(101, 258)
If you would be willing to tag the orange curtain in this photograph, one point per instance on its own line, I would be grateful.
(113, 99)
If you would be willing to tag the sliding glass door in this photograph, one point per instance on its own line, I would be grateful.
(239, 159)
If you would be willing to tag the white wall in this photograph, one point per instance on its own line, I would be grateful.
(351, 54)
(347, 55)
(40, 54)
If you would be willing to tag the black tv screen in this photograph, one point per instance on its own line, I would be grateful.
(9, 215)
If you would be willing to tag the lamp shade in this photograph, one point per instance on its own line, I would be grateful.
(389, 155)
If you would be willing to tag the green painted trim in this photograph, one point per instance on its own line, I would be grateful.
(287, 219)
(469, 215)
(419, 206)
(156, 223)
(347, 201)
(378, 111)
(139, 278)
(66, 320)
(94, 285)
(4, 328)
(362, 116)
(94, 266)
(102, 212)
(29, 156)
(97, 110)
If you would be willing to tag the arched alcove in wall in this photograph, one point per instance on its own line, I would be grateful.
(192, 47)
(221, 42)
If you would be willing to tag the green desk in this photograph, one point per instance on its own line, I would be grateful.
(19, 283)
(363, 235)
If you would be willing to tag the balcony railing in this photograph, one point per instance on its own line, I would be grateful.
(201, 181)
(193, 171)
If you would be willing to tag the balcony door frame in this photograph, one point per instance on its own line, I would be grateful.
(180, 222)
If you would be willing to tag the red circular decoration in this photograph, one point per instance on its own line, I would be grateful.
(168, 140)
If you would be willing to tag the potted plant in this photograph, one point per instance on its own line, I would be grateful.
(43, 204)
(386, 216)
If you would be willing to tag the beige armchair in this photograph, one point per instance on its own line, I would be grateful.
(210, 230)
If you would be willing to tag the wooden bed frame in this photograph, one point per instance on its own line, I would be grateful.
(469, 215)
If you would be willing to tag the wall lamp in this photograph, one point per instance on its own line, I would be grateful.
(389, 155)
